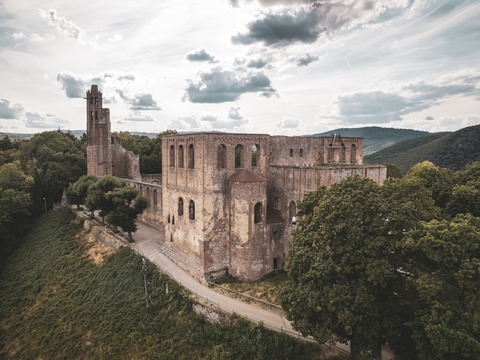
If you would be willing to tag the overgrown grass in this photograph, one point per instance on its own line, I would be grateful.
(267, 288)
(57, 304)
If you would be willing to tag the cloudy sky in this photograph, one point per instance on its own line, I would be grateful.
(265, 66)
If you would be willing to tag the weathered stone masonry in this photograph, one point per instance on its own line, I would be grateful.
(225, 202)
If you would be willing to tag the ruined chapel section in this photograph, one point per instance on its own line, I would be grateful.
(230, 200)
(105, 156)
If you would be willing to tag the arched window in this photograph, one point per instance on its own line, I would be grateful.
(191, 210)
(172, 155)
(155, 197)
(330, 153)
(191, 156)
(238, 156)
(168, 218)
(343, 156)
(292, 212)
(180, 206)
(221, 156)
(180, 156)
(257, 213)
(353, 154)
(255, 152)
(173, 219)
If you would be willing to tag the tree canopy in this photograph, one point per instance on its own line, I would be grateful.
(395, 264)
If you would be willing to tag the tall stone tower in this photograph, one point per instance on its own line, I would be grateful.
(99, 150)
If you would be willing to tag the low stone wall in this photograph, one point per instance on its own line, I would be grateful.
(103, 235)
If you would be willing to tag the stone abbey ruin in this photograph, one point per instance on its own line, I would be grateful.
(226, 203)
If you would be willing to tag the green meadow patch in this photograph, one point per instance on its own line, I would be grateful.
(58, 301)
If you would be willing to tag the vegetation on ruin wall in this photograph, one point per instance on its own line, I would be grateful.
(397, 264)
(149, 149)
(33, 175)
(58, 304)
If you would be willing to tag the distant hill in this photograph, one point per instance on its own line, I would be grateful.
(449, 150)
(376, 138)
(77, 133)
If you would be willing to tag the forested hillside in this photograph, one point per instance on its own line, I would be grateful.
(376, 138)
(449, 150)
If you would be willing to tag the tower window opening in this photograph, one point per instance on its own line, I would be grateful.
(291, 152)
(191, 210)
(180, 156)
(239, 156)
(257, 213)
(191, 156)
(180, 206)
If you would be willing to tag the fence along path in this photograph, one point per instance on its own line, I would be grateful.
(146, 244)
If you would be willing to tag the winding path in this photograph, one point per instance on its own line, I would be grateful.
(146, 244)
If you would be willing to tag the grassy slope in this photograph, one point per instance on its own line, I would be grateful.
(57, 304)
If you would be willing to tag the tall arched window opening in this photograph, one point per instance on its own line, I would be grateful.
(292, 212)
(180, 206)
(191, 210)
(343, 155)
(172, 155)
(257, 213)
(180, 156)
(255, 150)
(239, 156)
(221, 156)
(353, 154)
(191, 156)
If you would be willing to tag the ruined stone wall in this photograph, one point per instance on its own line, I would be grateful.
(249, 248)
(295, 150)
(125, 164)
(153, 193)
(183, 198)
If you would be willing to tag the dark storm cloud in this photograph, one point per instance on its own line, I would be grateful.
(306, 60)
(380, 107)
(74, 86)
(200, 55)
(257, 64)
(282, 28)
(144, 102)
(139, 102)
(10, 111)
(219, 85)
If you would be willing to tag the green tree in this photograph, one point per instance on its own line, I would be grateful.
(444, 273)
(97, 196)
(15, 204)
(78, 191)
(438, 180)
(127, 205)
(341, 275)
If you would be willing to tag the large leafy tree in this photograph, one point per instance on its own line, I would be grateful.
(97, 198)
(15, 204)
(78, 191)
(443, 270)
(342, 278)
(127, 206)
(118, 203)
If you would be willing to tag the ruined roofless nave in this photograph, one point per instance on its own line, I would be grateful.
(225, 202)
